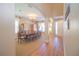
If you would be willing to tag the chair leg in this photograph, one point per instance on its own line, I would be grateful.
(18, 40)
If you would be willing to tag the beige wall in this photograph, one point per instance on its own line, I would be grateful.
(7, 34)
(27, 23)
(71, 36)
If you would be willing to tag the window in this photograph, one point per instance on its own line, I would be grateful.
(16, 26)
(42, 27)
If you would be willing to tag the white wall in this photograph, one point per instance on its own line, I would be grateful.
(71, 36)
(7, 29)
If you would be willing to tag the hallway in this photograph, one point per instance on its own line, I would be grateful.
(33, 19)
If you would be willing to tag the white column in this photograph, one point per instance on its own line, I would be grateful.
(46, 30)
(55, 28)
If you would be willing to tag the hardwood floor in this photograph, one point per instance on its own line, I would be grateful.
(40, 48)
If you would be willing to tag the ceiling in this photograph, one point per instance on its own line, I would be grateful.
(40, 9)
(50, 9)
(26, 11)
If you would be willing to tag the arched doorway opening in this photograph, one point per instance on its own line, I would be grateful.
(30, 23)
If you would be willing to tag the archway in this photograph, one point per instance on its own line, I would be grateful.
(33, 21)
